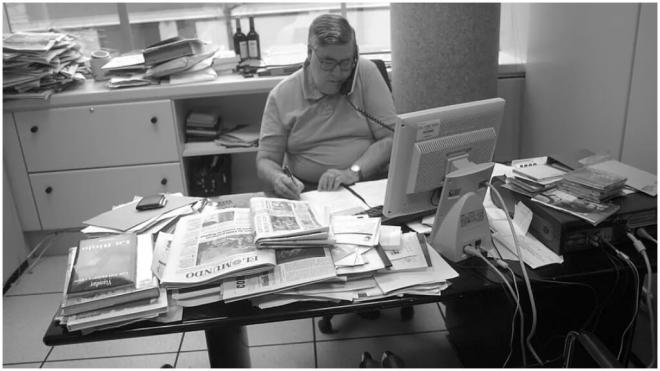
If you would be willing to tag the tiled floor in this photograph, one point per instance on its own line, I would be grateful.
(30, 304)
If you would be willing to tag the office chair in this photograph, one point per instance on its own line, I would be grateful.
(325, 324)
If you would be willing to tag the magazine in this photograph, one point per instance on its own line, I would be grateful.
(278, 219)
(295, 267)
(146, 285)
(590, 211)
(212, 246)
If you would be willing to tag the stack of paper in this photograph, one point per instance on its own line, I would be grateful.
(38, 64)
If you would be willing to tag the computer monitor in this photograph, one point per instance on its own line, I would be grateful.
(429, 145)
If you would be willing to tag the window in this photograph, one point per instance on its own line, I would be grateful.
(130, 26)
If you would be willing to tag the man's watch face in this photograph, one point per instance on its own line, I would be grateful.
(355, 169)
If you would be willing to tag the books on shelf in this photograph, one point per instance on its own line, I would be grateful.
(146, 285)
(105, 263)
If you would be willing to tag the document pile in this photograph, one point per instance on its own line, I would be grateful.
(366, 273)
(242, 136)
(534, 175)
(38, 64)
(109, 283)
(182, 60)
(208, 248)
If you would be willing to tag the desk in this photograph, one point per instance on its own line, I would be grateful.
(475, 297)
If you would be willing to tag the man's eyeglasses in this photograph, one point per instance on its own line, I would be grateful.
(329, 64)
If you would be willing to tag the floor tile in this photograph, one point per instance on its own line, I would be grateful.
(417, 351)
(121, 347)
(141, 361)
(283, 332)
(427, 317)
(25, 320)
(22, 365)
(47, 276)
(197, 359)
(194, 341)
(283, 356)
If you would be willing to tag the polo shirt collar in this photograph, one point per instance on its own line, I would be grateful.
(310, 91)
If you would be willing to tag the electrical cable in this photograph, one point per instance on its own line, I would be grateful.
(641, 232)
(568, 347)
(639, 246)
(626, 259)
(470, 250)
(525, 276)
(522, 319)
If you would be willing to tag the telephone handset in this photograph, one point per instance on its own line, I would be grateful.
(347, 86)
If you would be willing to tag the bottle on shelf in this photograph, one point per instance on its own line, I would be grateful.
(240, 41)
(254, 48)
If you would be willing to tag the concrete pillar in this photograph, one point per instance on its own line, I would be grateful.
(443, 54)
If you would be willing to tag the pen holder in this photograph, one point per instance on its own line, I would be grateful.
(98, 59)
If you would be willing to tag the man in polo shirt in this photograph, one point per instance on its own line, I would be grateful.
(315, 121)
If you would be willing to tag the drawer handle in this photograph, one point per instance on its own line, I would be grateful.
(154, 120)
(163, 181)
(34, 129)
(49, 190)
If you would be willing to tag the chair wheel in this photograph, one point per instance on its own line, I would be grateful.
(407, 313)
(325, 325)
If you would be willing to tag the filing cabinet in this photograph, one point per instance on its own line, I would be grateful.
(82, 160)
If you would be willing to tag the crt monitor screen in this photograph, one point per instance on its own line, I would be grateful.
(430, 143)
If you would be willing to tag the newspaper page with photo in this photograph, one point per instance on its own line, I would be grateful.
(277, 219)
(212, 246)
(295, 267)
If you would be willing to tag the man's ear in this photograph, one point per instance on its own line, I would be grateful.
(309, 56)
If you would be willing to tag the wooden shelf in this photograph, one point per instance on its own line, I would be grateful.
(210, 148)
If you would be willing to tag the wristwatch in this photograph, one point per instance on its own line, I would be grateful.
(355, 169)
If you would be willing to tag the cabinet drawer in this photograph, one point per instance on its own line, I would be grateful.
(95, 136)
(65, 199)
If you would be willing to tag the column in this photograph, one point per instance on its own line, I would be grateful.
(443, 54)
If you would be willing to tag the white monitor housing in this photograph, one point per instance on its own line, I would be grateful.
(428, 145)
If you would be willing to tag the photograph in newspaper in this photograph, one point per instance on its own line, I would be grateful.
(212, 246)
(295, 267)
(274, 218)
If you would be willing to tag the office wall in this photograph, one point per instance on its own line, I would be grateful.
(580, 64)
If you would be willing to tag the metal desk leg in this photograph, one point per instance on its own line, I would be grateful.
(227, 347)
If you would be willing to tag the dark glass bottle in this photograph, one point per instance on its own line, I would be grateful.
(254, 48)
(240, 41)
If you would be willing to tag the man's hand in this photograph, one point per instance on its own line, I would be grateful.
(288, 186)
(332, 179)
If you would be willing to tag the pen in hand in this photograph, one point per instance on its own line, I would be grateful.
(295, 181)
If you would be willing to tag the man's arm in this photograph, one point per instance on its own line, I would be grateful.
(269, 170)
(371, 162)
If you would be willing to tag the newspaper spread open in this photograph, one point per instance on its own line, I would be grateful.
(212, 246)
(275, 218)
(295, 267)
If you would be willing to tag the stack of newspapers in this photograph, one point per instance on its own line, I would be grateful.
(219, 244)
